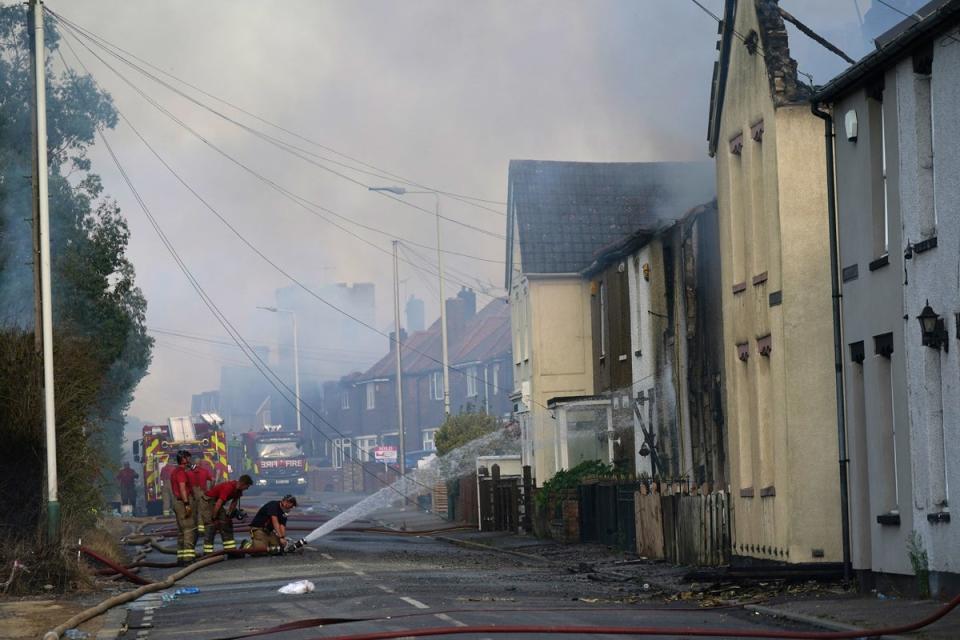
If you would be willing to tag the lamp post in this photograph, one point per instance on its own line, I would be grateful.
(399, 361)
(400, 191)
(296, 359)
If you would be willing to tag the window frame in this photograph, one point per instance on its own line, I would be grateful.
(371, 396)
(436, 385)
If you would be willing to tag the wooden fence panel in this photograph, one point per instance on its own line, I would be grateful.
(649, 524)
(685, 525)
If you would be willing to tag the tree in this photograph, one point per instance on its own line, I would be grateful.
(459, 430)
(101, 345)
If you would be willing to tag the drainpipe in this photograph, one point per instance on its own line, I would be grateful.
(837, 338)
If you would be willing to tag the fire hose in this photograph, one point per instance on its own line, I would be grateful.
(481, 629)
(585, 629)
(701, 632)
(109, 603)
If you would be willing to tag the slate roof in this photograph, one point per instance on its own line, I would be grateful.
(485, 336)
(565, 212)
(903, 39)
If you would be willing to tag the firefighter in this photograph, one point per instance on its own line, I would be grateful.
(183, 507)
(219, 518)
(166, 487)
(268, 529)
(201, 479)
(126, 479)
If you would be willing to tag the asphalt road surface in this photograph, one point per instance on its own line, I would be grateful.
(379, 582)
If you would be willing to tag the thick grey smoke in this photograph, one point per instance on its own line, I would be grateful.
(441, 92)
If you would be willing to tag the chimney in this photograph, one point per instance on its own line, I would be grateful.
(470, 302)
(456, 319)
(393, 342)
(415, 314)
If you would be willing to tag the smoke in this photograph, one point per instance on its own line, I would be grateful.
(16, 243)
(444, 93)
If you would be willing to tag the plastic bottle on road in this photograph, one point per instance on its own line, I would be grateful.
(186, 591)
(75, 634)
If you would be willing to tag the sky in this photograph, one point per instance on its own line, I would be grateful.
(440, 92)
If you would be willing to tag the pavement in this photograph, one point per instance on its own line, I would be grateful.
(379, 582)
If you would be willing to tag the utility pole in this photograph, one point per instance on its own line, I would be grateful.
(443, 317)
(400, 191)
(398, 340)
(46, 306)
(35, 199)
(296, 370)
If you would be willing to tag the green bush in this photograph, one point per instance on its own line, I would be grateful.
(566, 480)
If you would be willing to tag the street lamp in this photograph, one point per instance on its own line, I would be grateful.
(296, 358)
(400, 191)
(932, 328)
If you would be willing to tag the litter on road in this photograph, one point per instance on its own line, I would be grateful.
(297, 588)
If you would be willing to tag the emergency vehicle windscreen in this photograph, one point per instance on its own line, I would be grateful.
(277, 450)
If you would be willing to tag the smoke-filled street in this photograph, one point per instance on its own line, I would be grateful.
(372, 319)
(370, 582)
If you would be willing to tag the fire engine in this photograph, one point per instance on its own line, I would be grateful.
(202, 436)
(274, 458)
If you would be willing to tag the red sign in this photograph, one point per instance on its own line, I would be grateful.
(385, 454)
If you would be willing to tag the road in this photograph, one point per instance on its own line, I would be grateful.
(383, 582)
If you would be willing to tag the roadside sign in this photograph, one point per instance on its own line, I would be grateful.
(385, 454)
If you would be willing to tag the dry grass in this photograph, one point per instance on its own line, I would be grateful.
(22, 492)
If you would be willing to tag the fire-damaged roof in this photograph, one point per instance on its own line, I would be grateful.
(485, 336)
(564, 212)
(626, 246)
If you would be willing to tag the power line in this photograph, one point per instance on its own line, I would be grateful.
(107, 46)
(303, 203)
(214, 340)
(755, 45)
(267, 259)
(248, 351)
(332, 360)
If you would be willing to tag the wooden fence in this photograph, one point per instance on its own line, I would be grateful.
(683, 524)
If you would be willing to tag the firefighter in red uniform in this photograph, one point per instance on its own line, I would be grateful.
(183, 507)
(201, 479)
(219, 518)
(166, 488)
(126, 478)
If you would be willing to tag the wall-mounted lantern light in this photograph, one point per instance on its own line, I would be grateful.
(850, 125)
(933, 330)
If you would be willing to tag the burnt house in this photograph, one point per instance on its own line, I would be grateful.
(655, 312)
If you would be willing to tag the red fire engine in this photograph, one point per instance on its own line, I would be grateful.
(204, 438)
(275, 460)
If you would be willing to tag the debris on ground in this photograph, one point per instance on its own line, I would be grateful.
(297, 588)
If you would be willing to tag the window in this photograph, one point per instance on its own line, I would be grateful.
(341, 451)
(472, 382)
(429, 438)
(436, 385)
(878, 169)
(603, 318)
(886, 195)
(344, 400)
(371, 395)
(365, 446)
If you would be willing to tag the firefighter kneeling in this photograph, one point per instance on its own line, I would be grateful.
(268, 529)
(218, 518)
